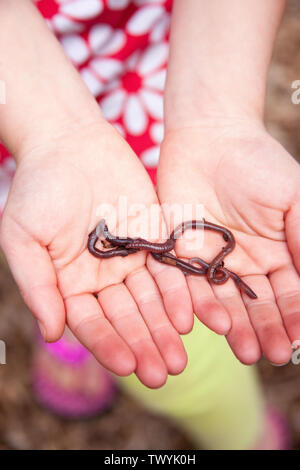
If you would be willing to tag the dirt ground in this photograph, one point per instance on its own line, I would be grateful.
(24, 425)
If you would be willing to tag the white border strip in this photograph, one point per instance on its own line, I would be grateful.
(2, 92)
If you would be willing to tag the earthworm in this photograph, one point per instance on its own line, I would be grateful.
(215, 271)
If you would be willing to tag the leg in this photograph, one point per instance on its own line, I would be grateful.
(216, 400)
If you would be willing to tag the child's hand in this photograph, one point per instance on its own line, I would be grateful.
(51, 209)
(250, 184)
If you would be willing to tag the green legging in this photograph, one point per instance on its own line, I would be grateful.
(216, 400)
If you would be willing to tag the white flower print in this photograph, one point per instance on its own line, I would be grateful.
(92, 53)
(137, 95)
(103, 41)
(106, 40)
(99, 36)
(117, 4)
(147, 2)
(150, 156)
(75, 47)
(119, 128)
(81, 9)
(143, 20)
(92, 82)
(7, 169)
(71, 13)
(157, 132)
(62, 24)
(161, 28)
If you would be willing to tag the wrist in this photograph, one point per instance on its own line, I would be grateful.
(206, 140)
(199, 105)
(50, 107)
(210, 124)
(68, 138)
(51, 124)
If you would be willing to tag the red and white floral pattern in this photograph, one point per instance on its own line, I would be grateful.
(120, 48)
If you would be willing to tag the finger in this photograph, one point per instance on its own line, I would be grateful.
(87, 321)
(207, 307)
(241, 337)
(267, 322)
(35, 276)
(286, 286)
(176, 297)
(292, 224)
(122, 312)
(146, 294)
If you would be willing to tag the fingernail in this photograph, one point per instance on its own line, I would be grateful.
(42, 329)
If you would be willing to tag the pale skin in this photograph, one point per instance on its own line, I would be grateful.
(264, 220)
(217, 151)
(142, 305)
(69, 160)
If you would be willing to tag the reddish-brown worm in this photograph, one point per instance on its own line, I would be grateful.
(189, 268)
(215, 271)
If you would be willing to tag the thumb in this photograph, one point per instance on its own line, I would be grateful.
(35, 276)
(293, 233)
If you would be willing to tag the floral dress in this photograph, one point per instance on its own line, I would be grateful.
(120, 48)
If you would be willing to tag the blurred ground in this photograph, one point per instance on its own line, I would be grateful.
(24, 425)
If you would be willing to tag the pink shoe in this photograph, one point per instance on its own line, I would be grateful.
(277, 434)
(69, 381)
